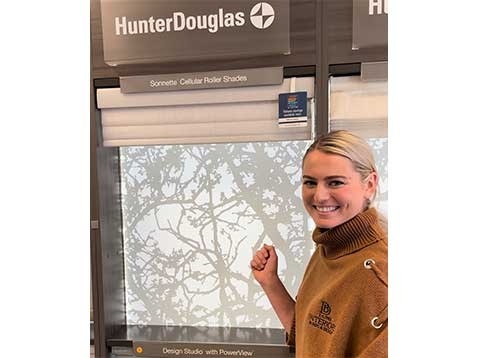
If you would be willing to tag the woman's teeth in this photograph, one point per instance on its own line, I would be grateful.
(324, 209)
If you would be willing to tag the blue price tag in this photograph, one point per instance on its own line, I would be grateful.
(293, 108)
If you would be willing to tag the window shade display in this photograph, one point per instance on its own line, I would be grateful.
(245, 114)
(358, 106)
(361, 107)
(192, 217)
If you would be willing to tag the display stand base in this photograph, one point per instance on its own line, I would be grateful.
(211, 342)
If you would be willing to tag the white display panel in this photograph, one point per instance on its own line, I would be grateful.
(192, 217)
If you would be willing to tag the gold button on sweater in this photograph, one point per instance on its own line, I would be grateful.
(341, 308)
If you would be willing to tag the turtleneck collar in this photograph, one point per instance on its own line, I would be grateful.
(360, 231)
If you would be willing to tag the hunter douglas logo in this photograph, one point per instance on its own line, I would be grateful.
(262, 16)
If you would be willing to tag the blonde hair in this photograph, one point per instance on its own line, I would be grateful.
(350, 146)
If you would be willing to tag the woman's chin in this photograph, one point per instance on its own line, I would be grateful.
(327, 223)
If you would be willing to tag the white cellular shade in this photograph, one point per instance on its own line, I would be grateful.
(358, 106)
(243, 114)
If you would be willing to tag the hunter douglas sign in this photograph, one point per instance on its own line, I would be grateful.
(141, 31)
(370, 23)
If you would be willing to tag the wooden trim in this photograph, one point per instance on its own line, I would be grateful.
(326, 52)
(300, 71)
(303, 51)
(339, 17)
(107, 82)
(95, 242)
(322, 69)
(350, 69)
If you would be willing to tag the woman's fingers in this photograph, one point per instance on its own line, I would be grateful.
(253, 265)
(262, 256)
(271, 251)
(256, 266)
(259, 260)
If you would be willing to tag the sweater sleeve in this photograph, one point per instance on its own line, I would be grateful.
(290, 338)
(377, 307)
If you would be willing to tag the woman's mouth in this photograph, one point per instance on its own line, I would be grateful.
(325, 209)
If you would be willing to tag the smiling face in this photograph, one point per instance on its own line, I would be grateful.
(332, 190)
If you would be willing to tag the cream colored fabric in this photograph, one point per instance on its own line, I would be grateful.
(358, 106)
(199, 116)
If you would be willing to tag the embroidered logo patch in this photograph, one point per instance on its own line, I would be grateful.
(323, 321)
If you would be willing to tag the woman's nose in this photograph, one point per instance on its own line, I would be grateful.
(321, 193)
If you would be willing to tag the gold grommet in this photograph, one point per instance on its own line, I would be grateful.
(368, 263)
(374, 324)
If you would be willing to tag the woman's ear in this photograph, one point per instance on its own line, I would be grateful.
(371, 185)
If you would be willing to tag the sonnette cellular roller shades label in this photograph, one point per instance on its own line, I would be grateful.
(370, 23)
(201, 80)
(136, 31)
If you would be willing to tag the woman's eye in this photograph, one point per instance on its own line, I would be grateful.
(336, 183)
(309, 183)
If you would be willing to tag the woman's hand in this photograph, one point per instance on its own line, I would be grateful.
(264, 265)
(264, 269)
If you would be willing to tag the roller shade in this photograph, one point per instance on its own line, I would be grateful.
(244, 114)
(358, 106)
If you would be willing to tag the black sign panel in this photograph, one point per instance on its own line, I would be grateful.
(370, 23)
(136, 31)
(211, 350)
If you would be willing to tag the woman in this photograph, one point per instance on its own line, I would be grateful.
(341, 307)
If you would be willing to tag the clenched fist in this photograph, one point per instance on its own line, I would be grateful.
(264, 265)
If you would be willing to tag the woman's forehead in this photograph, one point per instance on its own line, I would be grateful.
(317, 159)
(321, 165)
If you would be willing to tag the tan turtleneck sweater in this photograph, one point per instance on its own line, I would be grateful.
(341, 293)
